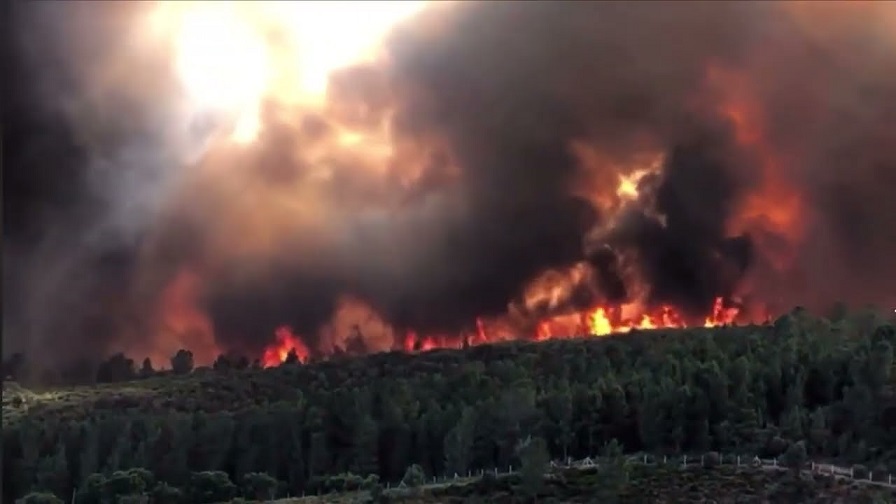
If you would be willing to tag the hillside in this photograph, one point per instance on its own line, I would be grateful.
(625, 481)
(211, 435)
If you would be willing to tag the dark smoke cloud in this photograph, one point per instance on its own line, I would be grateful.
(82, 163)
(686, 256)
(492, 95)
(508, 87)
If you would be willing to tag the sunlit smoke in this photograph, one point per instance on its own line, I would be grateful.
(232, 56)
(223, 64)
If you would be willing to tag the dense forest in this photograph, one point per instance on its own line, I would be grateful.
(213, 434)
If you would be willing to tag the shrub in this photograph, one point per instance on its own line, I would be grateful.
(40, 498)
(414, 476)
(163, 492)
(259, 486)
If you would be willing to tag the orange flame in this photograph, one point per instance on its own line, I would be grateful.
(286, 341)
(604, 320)
(600, 320)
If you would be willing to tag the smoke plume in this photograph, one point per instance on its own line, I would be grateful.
(497, 163)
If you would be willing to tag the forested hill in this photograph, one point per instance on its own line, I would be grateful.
(752, 390)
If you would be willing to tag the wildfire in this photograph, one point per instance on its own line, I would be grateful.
(604, 320)
(599, 321)
(286, 342)
(242, 59)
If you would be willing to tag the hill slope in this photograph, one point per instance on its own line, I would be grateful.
(749, 389)
(636, 484)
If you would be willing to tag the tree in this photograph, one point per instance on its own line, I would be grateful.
(762, 391)
(534, 460)
(259, 486)
(414, 476)
(53, 474)
(182, 362)
(146, 370)
(213, 434)
(559, 405)
(702, 440)
(91, 491)
(795, 456)
(459, 443)
(365, 440)
(880, 362)
(163, 492)
(318, 457)
(222, 363)
(134, 481)
(116, 368)
(230, 360)
(210, 487)
(133, 499)
(613, 475)
(377, 493)
(40, 498)
(792, 423)
(818, 431)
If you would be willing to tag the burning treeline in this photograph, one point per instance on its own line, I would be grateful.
(508, 170)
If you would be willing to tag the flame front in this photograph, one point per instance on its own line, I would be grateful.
(605, 320)
(598, 321)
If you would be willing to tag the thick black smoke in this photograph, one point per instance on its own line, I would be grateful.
(680, 242)
(508, 87)
(494, 95)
